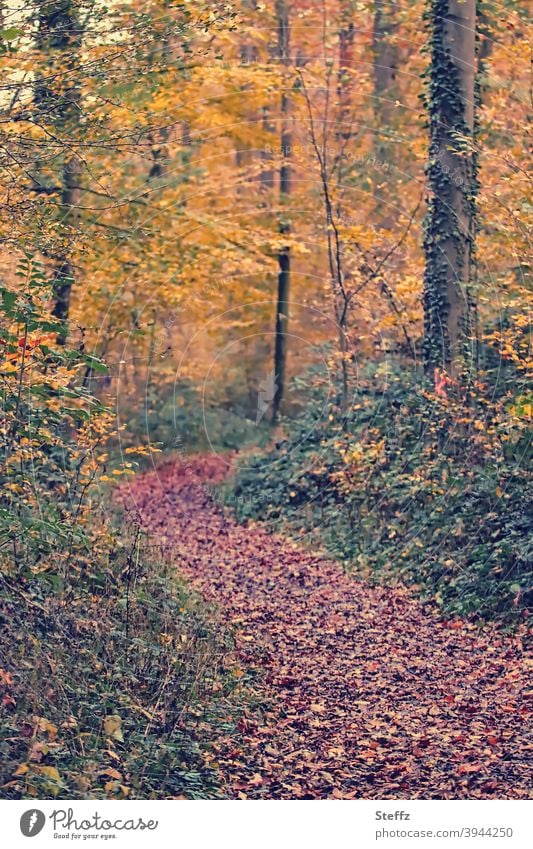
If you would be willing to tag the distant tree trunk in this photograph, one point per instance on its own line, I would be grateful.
(450, 228)
(159, 55)
(64, 274)
(386, 59)
(57, 99)
(267, 176)
(284, 259)
(385, 66)
(345, 84)
(158, 154)
(346, 69)
(248, 57)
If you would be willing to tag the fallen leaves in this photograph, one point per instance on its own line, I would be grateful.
(366, 693)
(469, 768)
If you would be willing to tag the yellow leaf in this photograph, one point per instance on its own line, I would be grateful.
(49, 727)
(50, 772)
(22, 769)
(112, 727)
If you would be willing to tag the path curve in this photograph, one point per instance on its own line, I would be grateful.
(370, 694)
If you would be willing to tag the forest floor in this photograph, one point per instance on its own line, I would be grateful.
(365, 691)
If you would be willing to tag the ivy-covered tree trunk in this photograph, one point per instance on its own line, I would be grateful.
(284, 258)
(450, 227)
(57, 99)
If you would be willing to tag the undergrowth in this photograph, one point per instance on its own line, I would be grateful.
(113, 676)
(408, 486)
(181, 417)
(113, 686)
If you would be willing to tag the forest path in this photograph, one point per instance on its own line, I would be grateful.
(369, 694)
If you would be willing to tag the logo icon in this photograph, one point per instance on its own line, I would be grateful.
(32, 822)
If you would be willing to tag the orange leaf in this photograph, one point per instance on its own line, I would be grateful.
(112, 773)
(469, 768)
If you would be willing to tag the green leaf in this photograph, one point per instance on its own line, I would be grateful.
(10, 34)
(8, 300)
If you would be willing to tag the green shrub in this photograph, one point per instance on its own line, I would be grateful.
(408, 486)
(114, 686)
(113, 675)
(181, 419)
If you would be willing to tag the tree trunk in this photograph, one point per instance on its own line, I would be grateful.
(345, 80)
(57, 99)
(345, 86)
(64, 273)
(284, 258)
(267, 175)
(450, 228)
(385, 66)
(158, 154)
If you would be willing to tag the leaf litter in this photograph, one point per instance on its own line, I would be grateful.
(365, 692)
